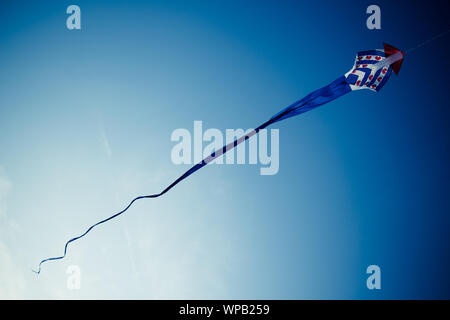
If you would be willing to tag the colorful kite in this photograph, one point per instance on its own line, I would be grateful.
(371, 70)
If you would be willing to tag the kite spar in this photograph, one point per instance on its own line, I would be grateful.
(371, 70)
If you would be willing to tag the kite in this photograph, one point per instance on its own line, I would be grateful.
(371, 70)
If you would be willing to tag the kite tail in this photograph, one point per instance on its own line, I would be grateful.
(317, 98)
(313, 100)
(196, 167)
(90, 228)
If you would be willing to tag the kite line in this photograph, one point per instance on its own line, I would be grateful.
(428, 41)
(371, 71)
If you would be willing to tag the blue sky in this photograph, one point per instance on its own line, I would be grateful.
(86, 117)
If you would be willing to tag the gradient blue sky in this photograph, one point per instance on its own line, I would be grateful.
(85, 124)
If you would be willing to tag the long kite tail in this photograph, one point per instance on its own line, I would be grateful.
(196, 167)
(315, 99)
(184, 176)
(90, 228)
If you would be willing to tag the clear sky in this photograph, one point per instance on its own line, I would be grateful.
(85, 123)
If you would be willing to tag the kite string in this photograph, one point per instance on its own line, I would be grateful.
(427, 41)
